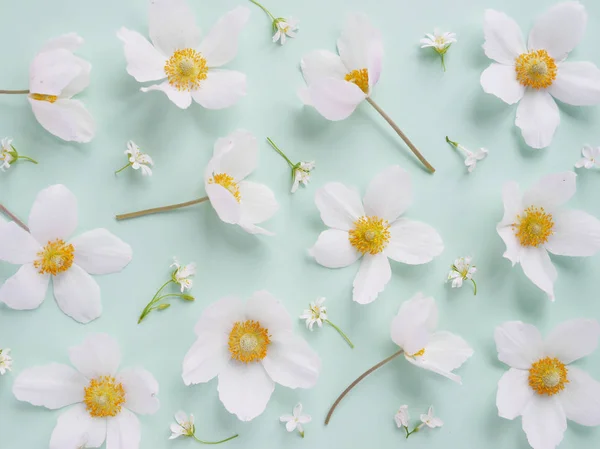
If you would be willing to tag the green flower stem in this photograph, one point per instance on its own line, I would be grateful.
(415, 430)
(276, 148)
(13, 217)
(123, 168)
(443, 62)
(451, 142)
(475, 287)
(177, 295)
(14, 92)
(156, 210)
(344, 336)
(264, 9)
(214, 442)
(27, 158)
(154, 300)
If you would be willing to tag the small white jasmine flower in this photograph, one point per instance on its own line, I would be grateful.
(462, 270)
(302, 174)
(402, 417)
(430, 420)
(284, 28)
(9, 154)
(591, 157)
(317, 313)
(137, 159)
(471, 158)
(183, 273)
(295, 421)
(440, 42)
(5, 361)
(183, 426)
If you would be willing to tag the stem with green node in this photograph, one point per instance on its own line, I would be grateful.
(281, 153)
(150, 306)
(264, 9)
(123, 168)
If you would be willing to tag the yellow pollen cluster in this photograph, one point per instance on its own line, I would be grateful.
(186, 69)
(104, 397)
(43, 97)
(360, 78)
(535, 69)
(548, 376)
(223, 179)
(534, 227)
(56, 257)
(419, 353)
(248, 341)
(370, 234)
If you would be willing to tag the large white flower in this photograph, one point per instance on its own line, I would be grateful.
(414, 330)
(45, 252)
(55, 75)
(535, 222)
(535, 73)
(372, 229)
(104, 401)
(541, 385)
(236, 200)
(250, 347)
(189, 64)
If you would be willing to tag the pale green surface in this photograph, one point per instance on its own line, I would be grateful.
(427, 103)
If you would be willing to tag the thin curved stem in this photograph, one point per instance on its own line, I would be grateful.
(13, 217)
(443, 62)
(344, 336)
(27, 158)
(276, 148)
(402, 135)
(264, 9)
(357, 381)
(215, 442)
(157, 210)
(451, 142)
(123, 168)
(14, 92)
(475, 287)
(153, 301)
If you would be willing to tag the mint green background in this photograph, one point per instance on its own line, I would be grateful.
(426, 102)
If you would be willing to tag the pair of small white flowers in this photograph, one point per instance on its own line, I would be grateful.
(440, 41)
(428, 419)
(471, 157)
(317, 313)
(184, 426)
(9, 154)
(462, 270)
(283, 28)
(137, 160)
(296, 420)
(300, 170)
(590, 157)
(5, 361)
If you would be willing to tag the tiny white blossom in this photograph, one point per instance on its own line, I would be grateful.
(302, 174)
(471, 158)
(402, 417)
(295, 421)
(462, 270)
(284, 28)
(439, 41)
(6, 154)
(5, 361)
(430, 420)
(317, 313)
(591, 157)
(139, 160)
(183, 426)
(183, 273)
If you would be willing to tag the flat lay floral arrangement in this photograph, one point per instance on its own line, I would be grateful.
(273, 224)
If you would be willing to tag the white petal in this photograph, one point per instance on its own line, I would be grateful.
(236, 154)
(245, 389)
(573, 339)
(75, 428)
(291, 362)
(418, 361)
(519, 344)
(221, 89)
(513, 246)
(144, 62)
(218, 318)
(269, 312)
(538, 118)
(123, 431)
(372, 277)
(503, 38)
(559, 29)
(53, 214)
(258, 203)
(514, 393)
(17, 246)
(26, 289)
(255, 230)
(576, 233)
(99, 355)
(334, 250)
(77, 294)
(389, 194)
(551, 191)
(415, 320)
(581, 398)
(69, 41)
(538, 267)
(51, 71)
(334, 99)
(444, 353)
(101, 252)
(577, 83)
(320, 64)
(513, 206)
(220, 45)
(52, 386)
(66, 119)
(340, 206)
(80, 82)
(501, 80)
(413, 242)
(290, 426)
(181, 98)
(297, 410)
(141, 389)
(172, 26)
(207, 357)
(544, 422)
(224, 203)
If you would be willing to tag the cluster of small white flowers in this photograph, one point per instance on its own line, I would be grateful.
(6, 154)
(5, 361)
(183, 273)
(428, 419)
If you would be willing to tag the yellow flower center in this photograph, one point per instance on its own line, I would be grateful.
(248, 341)
(360, 78)
(548, 376)
(56, 257)
(370, 234)
(43, 97)
(419, 353)
(223, 179)
(534, 227)
(535, 69)
(104, 397)
(186, 69)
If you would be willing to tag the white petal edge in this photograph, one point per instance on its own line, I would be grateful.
(257, 203)
(98, 355)
(413, 242)
(551, 191)
(144, 62)
(503, 37)
(220, 45)
(573, 339)
(544, 422)
(581, 398)
(141, 389)
(501, 80)
(17, 246)
(389, 194)
(26, 289)
(577, 83)
(372, 277)
(334, 250)
(65, 118)
(538, 118)
(172, 26)
(53, 214)
(101, 252)
(332, 98)
(123, 431)
(77, 294)
(221, 89)
(339, 206)
(320, 64)
(181, 99)
(576, 234)
(514, 393)
(75, 428)
(519, 344)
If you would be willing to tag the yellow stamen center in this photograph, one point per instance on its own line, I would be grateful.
(370, 234)
(223, 179)
(360, 78)
(43, 97)
(535, 69)
(103, 397)
(419, 353)
(548, 376)
(56, 257)
(248, 341)
(534, 227)
(186, 69)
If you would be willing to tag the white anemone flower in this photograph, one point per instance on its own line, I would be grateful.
(183, 426)
(590, 157)
(104, 401)
(536, 223)
(373, 230)
(296, 421)
(191, 65)
(541, 385)
(45, 253)
(236, 200)
(55, 76)
(535, 74)
(6, 361)
(250, 347)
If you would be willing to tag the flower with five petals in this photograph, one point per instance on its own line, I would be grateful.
(296, 420)
(591, 157)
